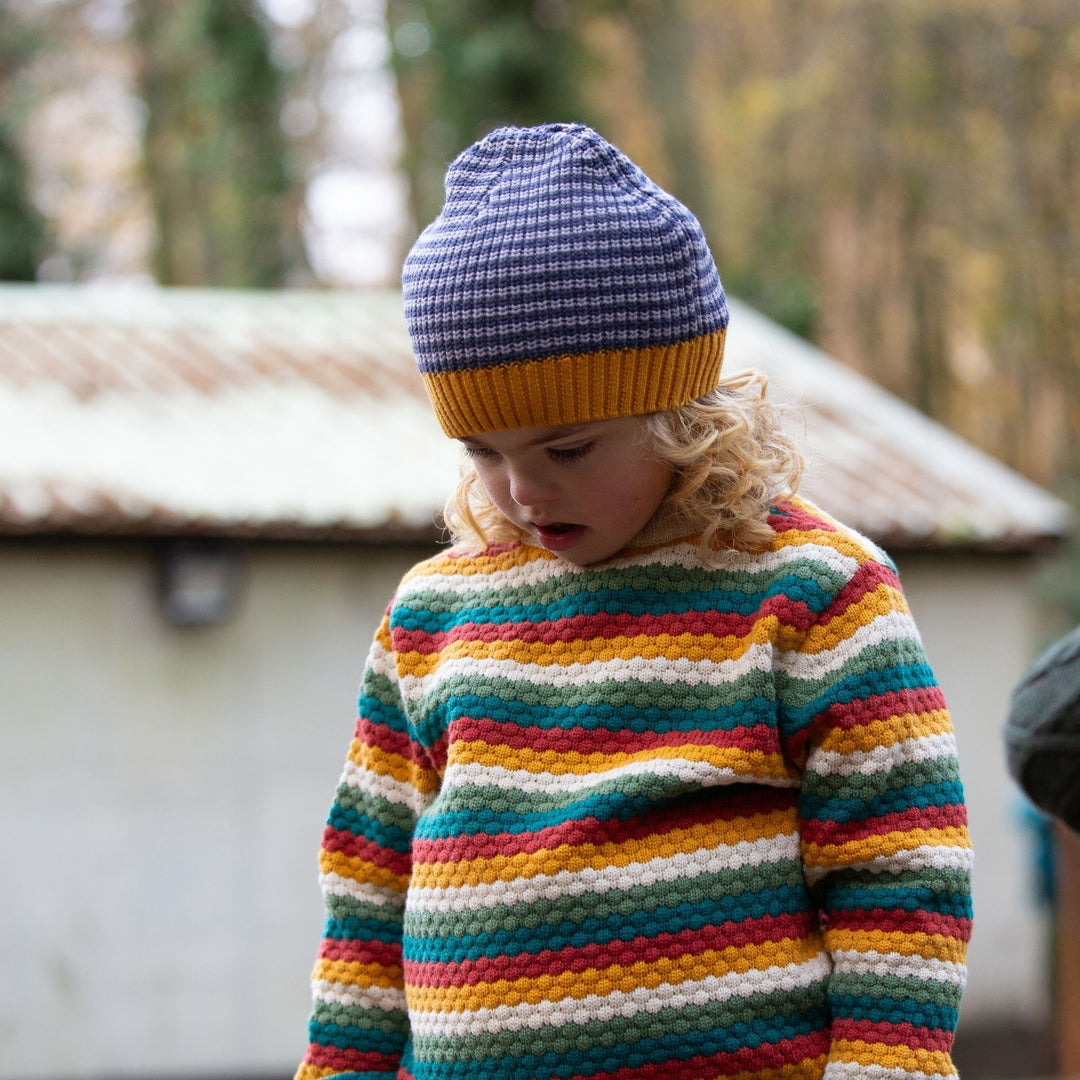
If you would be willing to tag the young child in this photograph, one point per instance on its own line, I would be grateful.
(651, 779)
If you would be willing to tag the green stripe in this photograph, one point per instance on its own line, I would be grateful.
(351, 907)
(893, 987)
(829, 785)
(382, 810)
(614, 693)
(533, 914)
(797, 692)
(593, 1034)
(333, 1012)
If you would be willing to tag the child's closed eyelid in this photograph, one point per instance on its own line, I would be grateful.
(570, 453)
(477, 451)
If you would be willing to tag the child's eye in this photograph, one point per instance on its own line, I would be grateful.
(569, 453)
(477, 451)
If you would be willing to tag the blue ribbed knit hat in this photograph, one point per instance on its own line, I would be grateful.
(559, 285)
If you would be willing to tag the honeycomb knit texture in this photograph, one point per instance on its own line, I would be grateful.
(647, 820)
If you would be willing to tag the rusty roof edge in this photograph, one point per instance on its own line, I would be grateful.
(929, 441)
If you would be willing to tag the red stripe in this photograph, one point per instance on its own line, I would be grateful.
(652, 825)
(847, 715)
(788, 516)
(846, 832)
(587, 629)
(568, 740)
(908, 922)
(593, 956)
(916, 699)
(865, 580)
(381, 737)
(350, 1060)
(360, 847)
(384, 953)
(903, 1034)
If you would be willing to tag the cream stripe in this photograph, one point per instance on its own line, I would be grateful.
(851, 1070)
(904, 967)
(541, 570)
(544, 782)
(384, 998)
(553, 1014)
(891, 626)
(883, 758)
(639, 669)
(383, 786)
(921, 857)
(333, 884)
(681, 866)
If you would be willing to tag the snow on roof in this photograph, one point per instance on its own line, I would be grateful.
(299, 415)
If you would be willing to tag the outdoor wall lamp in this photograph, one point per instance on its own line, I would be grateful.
(200, 581)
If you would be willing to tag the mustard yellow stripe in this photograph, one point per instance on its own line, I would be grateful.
(888, 731)
(887, 1056)
(808, 1069)
(752, 762)
(928, 946)
(354, 973)
(349, 866)
(311, 1072)
(884, 845)
(485, 871)
(382, 635)
(382, 762)
(618, 978)
(590, 650)
(880, 601)
(838, 541)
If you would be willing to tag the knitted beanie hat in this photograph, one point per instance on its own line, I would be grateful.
(1042, 731)
(560, 285)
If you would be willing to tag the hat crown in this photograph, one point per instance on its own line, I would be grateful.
(552, 243)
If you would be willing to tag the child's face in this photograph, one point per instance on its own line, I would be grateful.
(583, 491)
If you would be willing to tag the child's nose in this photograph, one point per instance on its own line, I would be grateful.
(529, 487)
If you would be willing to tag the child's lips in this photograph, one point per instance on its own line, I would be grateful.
(558, 535)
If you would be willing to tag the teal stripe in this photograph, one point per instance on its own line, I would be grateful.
(590, 930)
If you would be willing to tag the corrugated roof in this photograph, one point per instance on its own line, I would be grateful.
(299, 415)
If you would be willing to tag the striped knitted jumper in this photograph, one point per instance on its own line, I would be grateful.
(647, 820)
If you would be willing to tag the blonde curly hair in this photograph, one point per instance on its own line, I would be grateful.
(731, 459)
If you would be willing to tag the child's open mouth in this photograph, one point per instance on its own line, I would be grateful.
(558, 535)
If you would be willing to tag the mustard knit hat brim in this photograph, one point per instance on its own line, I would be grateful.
(559, 284)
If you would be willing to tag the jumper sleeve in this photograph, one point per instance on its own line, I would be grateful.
(358, 1022)
(884, 830)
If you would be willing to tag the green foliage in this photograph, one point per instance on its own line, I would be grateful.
(22, 229)
(466, 66)
(215, 156)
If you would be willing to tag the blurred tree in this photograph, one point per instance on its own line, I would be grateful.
(216, 161)
(465, 66)
(896, 181)
(22, 228)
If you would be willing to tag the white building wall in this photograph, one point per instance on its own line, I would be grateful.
(162, 793)
(978, 625)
